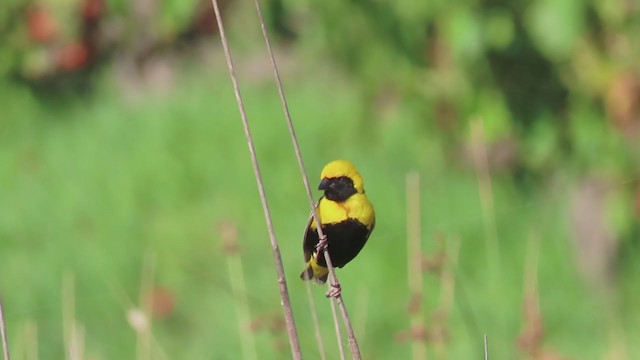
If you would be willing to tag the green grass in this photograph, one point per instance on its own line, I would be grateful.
(89, 187)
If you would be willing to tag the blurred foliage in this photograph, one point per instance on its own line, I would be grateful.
(556, 81)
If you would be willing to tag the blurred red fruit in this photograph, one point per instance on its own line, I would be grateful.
(623, 102)
(73, 56)
(638, 203)
(92, 9)
(41, 25)
(162, 303)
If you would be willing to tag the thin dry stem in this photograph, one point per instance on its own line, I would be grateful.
(336, 325)
(73, 332)
(3, 334)
(447, 296)
(30, 340)
(144, 336)
(531, 337)
(485, 189)
(281, 279)
(414, 262)
(316, 322)
(333, 279)
(362, 308)
(486, 348)
(137, 319)
(531, 266)
(239, 289)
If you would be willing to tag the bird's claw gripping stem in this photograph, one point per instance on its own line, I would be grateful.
(335, 291)
(321, 246)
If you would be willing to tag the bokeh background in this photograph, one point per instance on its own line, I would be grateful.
(130, 224)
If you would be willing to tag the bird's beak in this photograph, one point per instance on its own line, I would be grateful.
(324, 184)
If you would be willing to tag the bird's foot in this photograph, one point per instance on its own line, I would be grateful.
(335, 291)
(321, 246)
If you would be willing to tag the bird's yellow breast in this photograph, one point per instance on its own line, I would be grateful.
(357, 206)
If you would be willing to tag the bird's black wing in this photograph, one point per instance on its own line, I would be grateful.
(310, 239)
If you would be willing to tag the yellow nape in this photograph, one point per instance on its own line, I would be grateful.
(339, 168)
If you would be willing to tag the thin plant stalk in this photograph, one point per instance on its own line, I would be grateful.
(30, 334)
(281, 279)
(531, 337)
(485, 190)
(486, 348)
(333, 279)
(3, 334)
(360, 317)
(336, 325)
(414, 262)
(242, 308)
(73, 332)
(447, 294)
(239, 289)
(138, 321)
(144, 336)
(316, 322)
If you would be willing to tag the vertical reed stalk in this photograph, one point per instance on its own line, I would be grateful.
(73, 332)
(239, 289)
(144, 335)
(486, 348)
(333, 279)
(336, 325)
(485, 190)
(316, 321)
(292, 332)
(31, 340)
(447, 296)
(414, 262)
(3, 334)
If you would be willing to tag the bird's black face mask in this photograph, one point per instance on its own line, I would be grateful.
(337, 189)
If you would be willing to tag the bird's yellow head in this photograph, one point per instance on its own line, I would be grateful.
(340, 179)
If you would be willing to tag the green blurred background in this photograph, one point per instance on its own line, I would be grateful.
(130, 224)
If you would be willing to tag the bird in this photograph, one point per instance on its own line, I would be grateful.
(346, 216)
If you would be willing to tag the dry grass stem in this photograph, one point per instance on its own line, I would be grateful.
(486, 348)
(447, 298)
(138, 320)
(144, 334)
(336, 325)
(531, 337)
(239, 289)
(281, 279)
(316, 321)
(414, 261)
(333, 279)
(73, 331)
(3, 334)
(28, 348)
(485, 189)
(361, 316)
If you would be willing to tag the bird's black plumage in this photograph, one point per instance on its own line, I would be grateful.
(345, 240)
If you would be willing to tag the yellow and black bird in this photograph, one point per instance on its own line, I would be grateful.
(347, 219)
